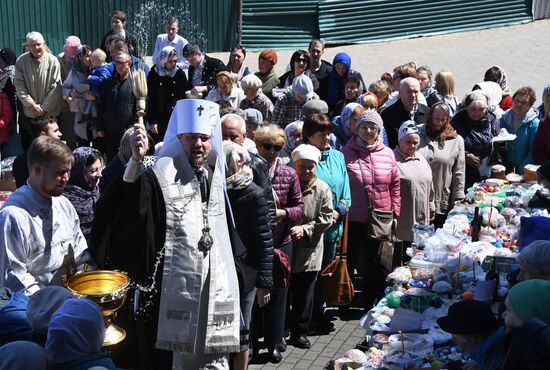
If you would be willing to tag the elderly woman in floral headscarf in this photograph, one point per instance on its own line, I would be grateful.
(443, 148)
(251, 221)
(344, 126)
(165, 86)
(83, 187)
(293, 134)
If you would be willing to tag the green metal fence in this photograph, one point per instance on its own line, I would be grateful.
(291, 23)
(211, 23)
(345, 21)
(281, 24)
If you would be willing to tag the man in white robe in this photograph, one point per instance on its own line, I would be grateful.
(198, 314)
(40, 236)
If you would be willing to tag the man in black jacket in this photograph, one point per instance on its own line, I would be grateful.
(202, 70)
(319, 67)
(117, 107)
(234, 129)
(405, 108)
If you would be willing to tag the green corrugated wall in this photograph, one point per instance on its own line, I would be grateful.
(292, 23)
(345, 21)
(281, 24)
(88, 19)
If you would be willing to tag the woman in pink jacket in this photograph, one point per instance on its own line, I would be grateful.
(366, 151)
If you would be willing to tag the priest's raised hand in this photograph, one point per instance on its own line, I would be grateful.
(139, 142)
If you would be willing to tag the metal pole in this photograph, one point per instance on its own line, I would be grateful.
(240, 23)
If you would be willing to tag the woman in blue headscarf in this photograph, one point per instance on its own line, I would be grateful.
(83, 187)
(340, 71)
(75, 336)
(13, 319)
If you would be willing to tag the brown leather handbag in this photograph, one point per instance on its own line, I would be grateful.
(335, 283)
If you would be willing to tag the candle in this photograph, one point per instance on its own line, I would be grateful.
(490, 213)
(402, 342)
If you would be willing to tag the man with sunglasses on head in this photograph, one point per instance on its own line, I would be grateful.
(167, 228)
(117, 107)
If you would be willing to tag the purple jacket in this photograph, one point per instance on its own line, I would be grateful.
(289, 197)
(382, 177)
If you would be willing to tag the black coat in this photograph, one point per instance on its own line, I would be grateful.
(261, 178)
(529, 347)
(251, 215)
(116, 107)
(20, 169)
(212, 67)
(394, 115)
(163, 92)
(477, 137)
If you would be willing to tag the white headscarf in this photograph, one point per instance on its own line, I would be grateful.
(163, 58)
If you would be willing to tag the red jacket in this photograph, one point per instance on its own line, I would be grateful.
(6, 116)
(541, 144)
(289, 197)
(384, 191)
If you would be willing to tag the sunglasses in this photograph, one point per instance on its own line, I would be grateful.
(277, 148)
(302, 60)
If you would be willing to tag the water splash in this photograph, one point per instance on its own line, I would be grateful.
(147, 21)
(149, 289)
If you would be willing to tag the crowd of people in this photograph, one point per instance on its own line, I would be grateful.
(222, 193)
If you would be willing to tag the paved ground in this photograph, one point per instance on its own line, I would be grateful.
(522, 50)
(347, 335)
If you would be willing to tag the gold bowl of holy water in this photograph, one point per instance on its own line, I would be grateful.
(106, 288)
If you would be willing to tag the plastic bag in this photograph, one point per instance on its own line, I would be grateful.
(421, 234)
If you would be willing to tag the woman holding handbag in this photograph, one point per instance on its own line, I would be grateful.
(290, 208)
(375, 190)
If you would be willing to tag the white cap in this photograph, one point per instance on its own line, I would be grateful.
(306, 151)
(407, 128)
(196, 116)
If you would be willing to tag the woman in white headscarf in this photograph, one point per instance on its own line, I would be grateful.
(165, 85)
(494, 95)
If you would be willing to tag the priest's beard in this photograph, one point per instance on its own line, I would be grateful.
(197, 156)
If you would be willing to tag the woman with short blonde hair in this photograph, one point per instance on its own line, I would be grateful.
(226, 91)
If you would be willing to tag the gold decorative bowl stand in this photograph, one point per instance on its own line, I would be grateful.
(108, 289)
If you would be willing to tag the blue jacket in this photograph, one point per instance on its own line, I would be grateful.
(98, 75)
(520, 149)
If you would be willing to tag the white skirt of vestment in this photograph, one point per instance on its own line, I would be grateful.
(200, 360)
